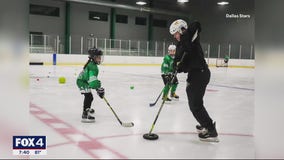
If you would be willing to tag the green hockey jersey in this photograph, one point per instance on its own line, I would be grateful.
(167, 65)
(88, 78)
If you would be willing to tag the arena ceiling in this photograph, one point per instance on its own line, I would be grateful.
(172, 7)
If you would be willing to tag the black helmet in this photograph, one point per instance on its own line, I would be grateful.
(94, 52)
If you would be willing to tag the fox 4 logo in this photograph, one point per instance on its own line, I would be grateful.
(29, 142)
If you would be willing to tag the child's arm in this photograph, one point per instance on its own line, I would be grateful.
(94, 83)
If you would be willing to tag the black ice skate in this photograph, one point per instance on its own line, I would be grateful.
(87, 117)
(200, 129)
(174, 95)
(91, 110)
(210, 135)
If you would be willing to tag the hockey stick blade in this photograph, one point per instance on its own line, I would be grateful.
(130, 124)
(152, 104)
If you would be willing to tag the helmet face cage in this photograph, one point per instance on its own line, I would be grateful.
(98, 59)
(177, 25)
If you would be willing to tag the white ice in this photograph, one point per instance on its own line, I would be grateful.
(56, 113)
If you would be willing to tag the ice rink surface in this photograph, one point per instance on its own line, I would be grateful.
(56, 109)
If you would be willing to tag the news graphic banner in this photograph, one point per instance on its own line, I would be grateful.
(29, 145)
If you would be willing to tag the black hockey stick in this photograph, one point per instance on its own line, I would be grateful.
(152, 104)
(129, 124)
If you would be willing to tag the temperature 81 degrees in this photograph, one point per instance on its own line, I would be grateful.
(29, 145)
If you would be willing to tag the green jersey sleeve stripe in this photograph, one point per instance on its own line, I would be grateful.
(165, 65)
(92, 78)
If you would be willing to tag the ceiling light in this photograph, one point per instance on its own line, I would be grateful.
(182, 1)
(141, 3)
(95, 17)
(223, 3)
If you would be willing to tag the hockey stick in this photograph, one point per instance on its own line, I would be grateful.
(152, 104)
(150, 135)
(153, 136)
(129, 124)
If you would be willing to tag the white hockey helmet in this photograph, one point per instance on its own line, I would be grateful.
(172, 47)
(177, 25)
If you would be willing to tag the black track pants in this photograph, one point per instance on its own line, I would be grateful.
(196, 85)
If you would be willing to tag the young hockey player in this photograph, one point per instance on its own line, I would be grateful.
(167, 73)
(190, 59)
(87, 80)
(226, 60)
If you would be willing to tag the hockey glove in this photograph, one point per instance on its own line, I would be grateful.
(101, 92)
(169, 77)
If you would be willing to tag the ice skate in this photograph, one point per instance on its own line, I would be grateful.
(200, 129)
(210, 135)
(166, 99)
(91, 110)
(174, 96)
(87, 116)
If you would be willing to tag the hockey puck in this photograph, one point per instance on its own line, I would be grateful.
(150, 136)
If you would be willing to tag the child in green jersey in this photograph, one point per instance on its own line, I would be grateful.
(87, 80)
(167, 73)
